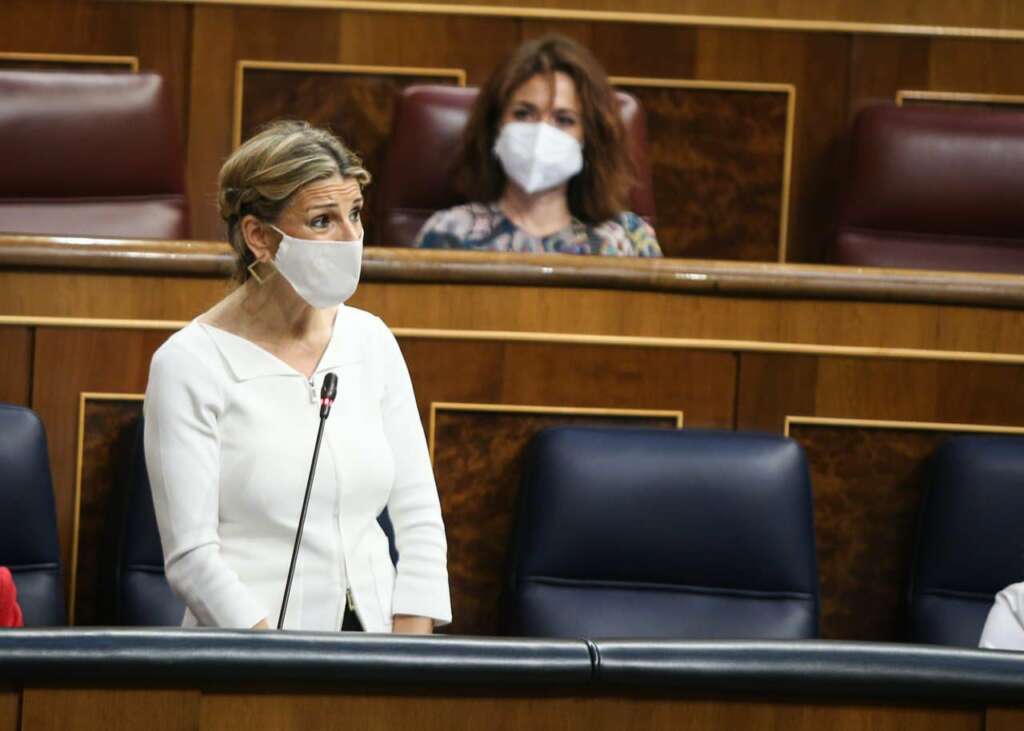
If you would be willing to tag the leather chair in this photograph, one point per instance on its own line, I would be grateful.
(418, 178)
(28, 518)
(143, 596)
(664, 534)
(934, 188)
(90, 154)
(971, 542)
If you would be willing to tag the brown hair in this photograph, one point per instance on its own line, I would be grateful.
(601, 189)
(262, 175)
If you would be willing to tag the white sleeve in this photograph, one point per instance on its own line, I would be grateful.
(421, 584)
(1004, 628)
(183, 461)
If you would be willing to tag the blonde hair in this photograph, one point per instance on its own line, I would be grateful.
(262, 175)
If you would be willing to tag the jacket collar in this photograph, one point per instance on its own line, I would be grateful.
(248, 360)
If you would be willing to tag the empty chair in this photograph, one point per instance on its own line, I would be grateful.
(664, 534)
(90, 154)
(934, 188)
(971, 542)
(418, 177)
(28, 519)
(143, 596)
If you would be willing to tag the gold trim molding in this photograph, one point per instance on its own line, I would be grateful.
(618, 16)
(491, 408)
(459, 75)
(130, 62)
(83, 398)
(748, 86)
(956, 97)
(906, 425)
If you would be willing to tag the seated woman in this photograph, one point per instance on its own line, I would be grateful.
(232, 412)
(1004, 628)
(544, 154)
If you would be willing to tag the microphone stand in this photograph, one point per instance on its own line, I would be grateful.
(327, 395)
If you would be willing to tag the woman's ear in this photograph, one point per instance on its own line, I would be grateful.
(259, 238)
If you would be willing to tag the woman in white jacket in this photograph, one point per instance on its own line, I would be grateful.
(232, 410)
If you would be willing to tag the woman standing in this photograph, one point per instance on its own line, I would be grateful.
(232, 411)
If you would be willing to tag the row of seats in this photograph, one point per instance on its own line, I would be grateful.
(621, 532)
(927, 187)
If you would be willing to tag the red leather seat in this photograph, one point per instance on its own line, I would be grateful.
(90, 154)
(418, 179)
(934, 188)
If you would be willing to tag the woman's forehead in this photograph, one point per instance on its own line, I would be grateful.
(554, 90)
(334, 189)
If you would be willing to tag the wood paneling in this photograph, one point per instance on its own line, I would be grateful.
(478, 462)
(718, 165)
(108, 433)
(10, 704)
(15, 365)
(1004, 719)
(67, 363)
(110, 710)
(357, 105)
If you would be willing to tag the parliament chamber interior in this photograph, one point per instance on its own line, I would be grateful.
(765, 471)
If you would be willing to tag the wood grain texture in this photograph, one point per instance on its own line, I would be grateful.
(478, 463)
(109, 433)
(356, 106)
(15, 365)
(97, 709)
(385, 712)
(10, 707)
(1004, 719)
(717, 163)
(86, 360)
(868, 489)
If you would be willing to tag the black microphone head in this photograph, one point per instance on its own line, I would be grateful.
(330, 388)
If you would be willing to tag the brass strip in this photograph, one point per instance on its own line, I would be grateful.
(957, 97)
(739, 346)
(884, 424)
(751, 86)
(493, 408)
(76, 516)
(325, 68)
(619, 16)
(131, 62)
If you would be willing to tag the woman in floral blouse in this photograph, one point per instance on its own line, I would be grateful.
(544, 153)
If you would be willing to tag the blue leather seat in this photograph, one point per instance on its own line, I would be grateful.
(28, 518)
(971, 541)
(653, 533)
(144, 598)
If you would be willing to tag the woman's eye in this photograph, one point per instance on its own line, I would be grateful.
(319, 222)
(566, 121)
(354, 215)
(521, 114)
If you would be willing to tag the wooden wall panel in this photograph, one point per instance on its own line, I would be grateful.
(477, 458)
(108, 435)
(10, 706)
(718, 160)
(93, 709)
(868, 490)
(15, 365)
(67, 363)
(357, 105)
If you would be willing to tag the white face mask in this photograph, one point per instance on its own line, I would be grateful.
(538, 156)
(324, 273)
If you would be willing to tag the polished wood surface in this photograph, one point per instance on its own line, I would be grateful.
(15, 365)
(720, 168)
(10, 704)
(1004, 719)
(110, 709)
(47, 709)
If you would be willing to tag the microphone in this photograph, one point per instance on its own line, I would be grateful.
(327, 396)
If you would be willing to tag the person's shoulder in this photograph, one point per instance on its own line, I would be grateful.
(189, 351)
(627, 234)
(451, 227)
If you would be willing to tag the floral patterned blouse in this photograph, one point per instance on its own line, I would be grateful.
(483, 227)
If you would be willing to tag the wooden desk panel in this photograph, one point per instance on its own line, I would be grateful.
(15, 365)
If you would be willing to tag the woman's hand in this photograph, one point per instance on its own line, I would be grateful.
(262, 624)
(407, 624)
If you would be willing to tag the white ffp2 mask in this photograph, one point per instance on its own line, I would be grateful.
(324, 273)
(537, 155)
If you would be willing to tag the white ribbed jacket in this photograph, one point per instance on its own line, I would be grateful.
(1004, 628)
(229, 435)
